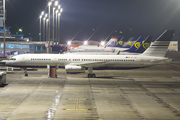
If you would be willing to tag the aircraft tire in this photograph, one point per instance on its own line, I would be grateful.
(26, 74)
(93, 75)
(89, 75)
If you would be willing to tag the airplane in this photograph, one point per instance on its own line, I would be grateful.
(152, 56)
(107, 50)
(135, 49)
(120, 43)
(110, 43)
(131, 50)
(129, 43)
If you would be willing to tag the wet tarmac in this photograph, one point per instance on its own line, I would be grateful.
(138, 94)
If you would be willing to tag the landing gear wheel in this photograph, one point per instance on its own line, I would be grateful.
(91, 75)
(26, 74)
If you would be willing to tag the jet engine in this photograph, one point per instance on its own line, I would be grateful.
(74, 69)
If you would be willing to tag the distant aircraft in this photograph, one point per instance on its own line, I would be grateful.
(129, 43)
(115, 49)
(120, 43)
(134, 50)
(111, 42)
(106, 49)
(152, 56)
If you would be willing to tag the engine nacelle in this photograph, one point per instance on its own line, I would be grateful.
(74, 69)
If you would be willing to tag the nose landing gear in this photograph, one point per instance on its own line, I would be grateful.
(91, 74)
(25, 72)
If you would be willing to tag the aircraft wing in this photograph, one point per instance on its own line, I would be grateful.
(88, 64)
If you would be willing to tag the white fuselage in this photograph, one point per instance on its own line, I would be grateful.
(113, 61)
(97, 49)
(101, 53)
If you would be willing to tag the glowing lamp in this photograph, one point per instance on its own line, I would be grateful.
(42, 13)
(56, 3)
(59, 6)
(49, 3)
(102, 42)
(85, 42)
(69, 43)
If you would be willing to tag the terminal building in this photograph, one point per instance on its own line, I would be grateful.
(17, 45)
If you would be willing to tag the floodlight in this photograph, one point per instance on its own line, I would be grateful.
(69, 43)
(102, 42)
(85, 42)
(56, 11)
(46, 15)
(56, 3)
(61, 10)
(59, 6)
(42, 13)
(49, 3)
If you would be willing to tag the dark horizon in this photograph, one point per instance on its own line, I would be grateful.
(97, 19)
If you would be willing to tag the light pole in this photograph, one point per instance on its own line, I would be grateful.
(44, 21)
(59, 23)
(40, 27)
(53, 26)
(56, 24)
(42, 13)
(55, 4)
(4, 28)
(47, 20)
(49, 4)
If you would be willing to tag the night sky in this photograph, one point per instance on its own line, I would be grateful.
(98, 19)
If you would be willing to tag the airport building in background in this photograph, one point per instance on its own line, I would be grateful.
(16, 43)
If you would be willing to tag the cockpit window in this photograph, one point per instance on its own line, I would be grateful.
(13, 59)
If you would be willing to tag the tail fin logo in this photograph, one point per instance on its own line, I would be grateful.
(121, 43)
(146, 45)
(130, 43)
(137, 44)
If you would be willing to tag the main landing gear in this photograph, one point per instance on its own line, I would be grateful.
(91, 74)
(25, 72)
